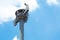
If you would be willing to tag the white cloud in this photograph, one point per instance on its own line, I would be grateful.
(32, 4)
(8, 8)
(52, 2)
(15, 38)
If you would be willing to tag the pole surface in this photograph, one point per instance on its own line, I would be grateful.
(22, 29)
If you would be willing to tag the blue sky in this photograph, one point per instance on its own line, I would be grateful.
(43, 22)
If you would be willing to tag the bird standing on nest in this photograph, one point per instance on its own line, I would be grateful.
(21, 14)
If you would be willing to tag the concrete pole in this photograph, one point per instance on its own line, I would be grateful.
(22, 30)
